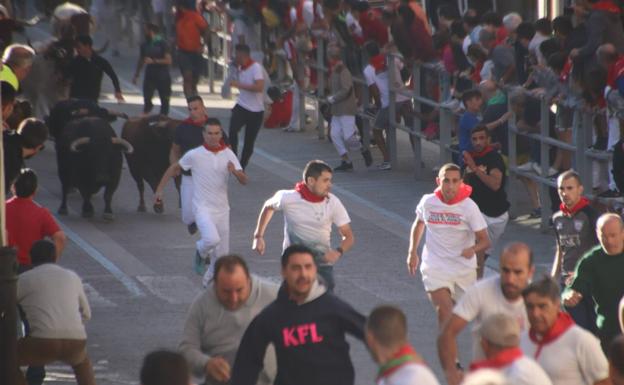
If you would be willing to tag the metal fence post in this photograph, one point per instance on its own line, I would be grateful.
(582, 124)
(416, 123)
(211, 53)
(320, 82)
(366, 127)
(544, 160)
(226, 49)
(8, 315)
(391, 139)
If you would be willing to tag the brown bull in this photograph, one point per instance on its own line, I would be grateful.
(151, 138)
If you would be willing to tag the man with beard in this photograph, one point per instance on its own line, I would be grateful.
(310, 210)
(498, 294)
(307, 326)
(485, 172)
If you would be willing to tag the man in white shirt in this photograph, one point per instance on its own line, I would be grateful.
(386, 338)
(218, 318)
(249, 109)
(456, 231)
(499, 294)
(55, 305)
(310, 210)
(500, 337)
(211, 165)
(569, 354)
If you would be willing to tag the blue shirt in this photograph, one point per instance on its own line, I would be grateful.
(466, 123)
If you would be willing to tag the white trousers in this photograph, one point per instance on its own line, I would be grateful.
(295, 124)
(614, 137)
(214, 229)
(186, 199)
(344, 134)
(496, 228)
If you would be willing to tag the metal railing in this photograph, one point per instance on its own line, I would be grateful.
(583, 157)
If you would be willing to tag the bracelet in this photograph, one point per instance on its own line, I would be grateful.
(340, 250)
(258, 236)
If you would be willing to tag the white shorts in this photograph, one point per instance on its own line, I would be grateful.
(496, 228)
(434, 279)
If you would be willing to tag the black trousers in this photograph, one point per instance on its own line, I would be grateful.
(157, 81)
(252, 122)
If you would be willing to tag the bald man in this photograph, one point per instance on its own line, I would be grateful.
(599, 275)
(498, 294)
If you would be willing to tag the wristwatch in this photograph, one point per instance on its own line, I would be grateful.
(340, 250)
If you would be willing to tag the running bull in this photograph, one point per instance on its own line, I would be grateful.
(151, 138)
(89, 157)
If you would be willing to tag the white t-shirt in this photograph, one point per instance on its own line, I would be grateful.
(449, 230)
(525, 371)
(353, 24)
(369, 75)
(307, 222)
(54, 301)
(410, 374)
(575, 358)
(210, 176)
(483, 299)
(381, 79)
(251, 101)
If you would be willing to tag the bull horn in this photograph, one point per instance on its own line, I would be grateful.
(73, 147)
(128, 147)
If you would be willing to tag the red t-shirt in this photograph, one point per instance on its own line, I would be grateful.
(189, 28)
(26, 223)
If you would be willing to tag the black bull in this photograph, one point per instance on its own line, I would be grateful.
(89, 157)
(151, 137)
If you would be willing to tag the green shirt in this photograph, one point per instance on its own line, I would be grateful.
(601, 276)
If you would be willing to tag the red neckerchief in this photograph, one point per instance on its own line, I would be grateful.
(378, 62)
(565, 72)
(561, 325)
(463, 193)
(405, 355)
(606, 5)
(247, 64)
(190, 120)
(480, 154)
(577, 207)
(306, 194)
(220, 147)
(500, 360)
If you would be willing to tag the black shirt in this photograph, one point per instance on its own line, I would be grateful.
(491, 203)
(576, 235)
(155, 49)
(188, 136)
(87, 74)
(13, 159)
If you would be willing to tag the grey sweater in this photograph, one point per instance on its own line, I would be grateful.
(211, 330)
(341, 87)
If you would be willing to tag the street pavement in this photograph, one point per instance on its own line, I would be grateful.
(137, 268)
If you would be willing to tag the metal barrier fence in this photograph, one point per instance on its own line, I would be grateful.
(583, 158)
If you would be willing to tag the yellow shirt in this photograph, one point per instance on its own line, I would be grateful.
(7, 75)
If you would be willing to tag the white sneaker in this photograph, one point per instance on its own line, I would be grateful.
(384, 166)
(528, 166)
(538, 170)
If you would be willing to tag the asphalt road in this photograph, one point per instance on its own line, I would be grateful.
(137, 268)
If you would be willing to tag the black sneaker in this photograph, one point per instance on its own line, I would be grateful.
(192, 228)
(536, 213)
(368, 158)
(610, 194)
(344, 166)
